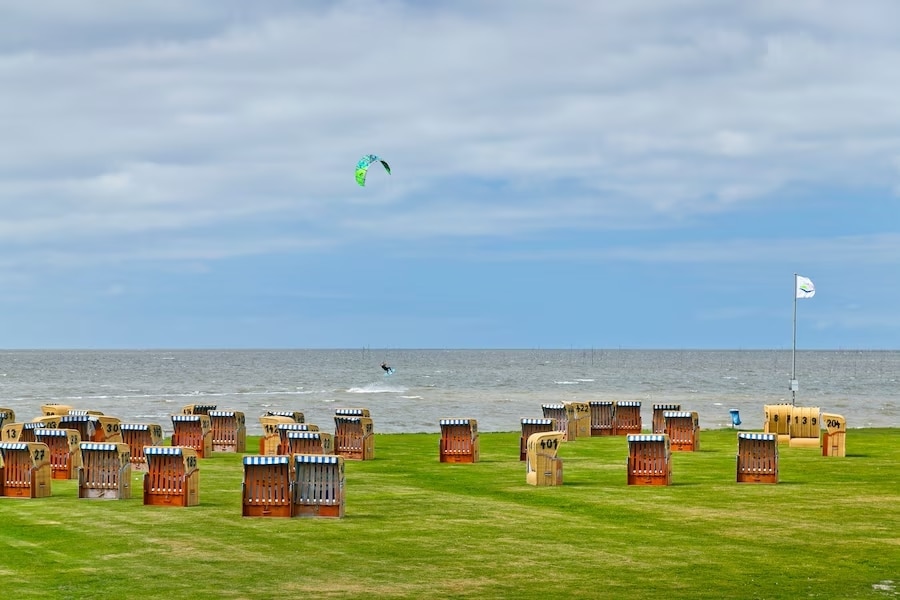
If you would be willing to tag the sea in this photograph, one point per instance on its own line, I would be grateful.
(495, 387)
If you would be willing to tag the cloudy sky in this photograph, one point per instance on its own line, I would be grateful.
(638, 174)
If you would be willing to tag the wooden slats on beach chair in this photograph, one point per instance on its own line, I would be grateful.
(683, 429)
(757, 458)
(270, 441)
(193, 431)
(138, 435)
(354, 436)
(65, 454)
(834, 435)
(777, 420)
(318, 486)
(658, 421)
(558, 412)
(267, 489)
(229, 431)
(542, 466)
(173, 476)
(285, 428)
(26, 470)
(649, 459)
(579, 415)
(307, 442)
(603, 417)
(628, 417)
(532, 426)
(88, 426)
(197, 409)
(105, 471)
(805, 427)
(459, 441)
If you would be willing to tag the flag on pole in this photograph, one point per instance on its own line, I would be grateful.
(805, 287)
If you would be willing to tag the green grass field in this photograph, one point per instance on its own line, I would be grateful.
(416, 528)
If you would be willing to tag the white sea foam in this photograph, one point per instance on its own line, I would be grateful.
(376, 388)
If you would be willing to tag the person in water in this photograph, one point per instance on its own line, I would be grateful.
(385, 366)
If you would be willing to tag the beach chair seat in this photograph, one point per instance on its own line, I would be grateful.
(229, 430)
(683, 429)
(308, 442)
(65, 454)
(26, 470)
(172, 477)
(318, 485)
(805, 427)
(649, 459)
(270, 441)
(628, 417)
(757, 458)
(558, 412)
(658, 421)
(603, 417)
(138, 436)
(354, 437)
(532, 426)
(542, 466)
(834, 435)
(106, 471)
(267, 489)
(285, 428)
(193, 431)
(459, 441)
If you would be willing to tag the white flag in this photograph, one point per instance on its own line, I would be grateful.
(805, 287)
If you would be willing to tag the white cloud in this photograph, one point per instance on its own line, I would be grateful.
(164, 118)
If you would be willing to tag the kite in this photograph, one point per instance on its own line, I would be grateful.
(362, 167)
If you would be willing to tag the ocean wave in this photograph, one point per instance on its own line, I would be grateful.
(376, 388)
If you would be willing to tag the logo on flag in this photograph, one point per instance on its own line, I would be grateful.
(805, 287)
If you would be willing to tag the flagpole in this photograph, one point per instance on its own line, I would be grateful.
(794, 348)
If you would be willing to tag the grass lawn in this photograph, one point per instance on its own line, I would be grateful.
(417, 528)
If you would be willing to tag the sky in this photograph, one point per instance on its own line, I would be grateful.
(565, 174)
